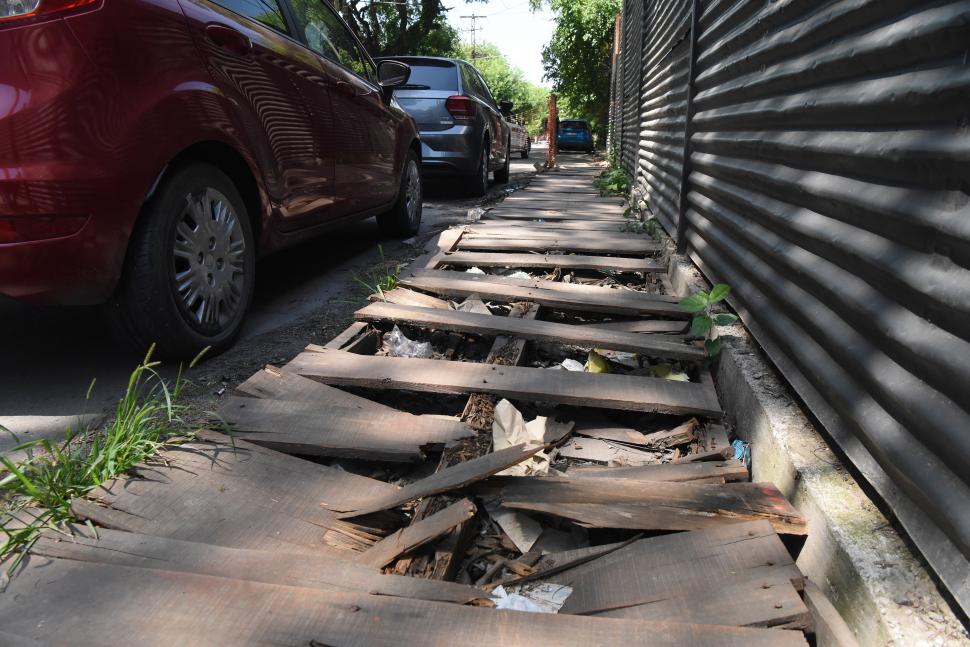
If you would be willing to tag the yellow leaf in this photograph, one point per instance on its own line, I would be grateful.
(596, 363)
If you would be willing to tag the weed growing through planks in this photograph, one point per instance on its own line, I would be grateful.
(40, 487)
(381, 278)
(637, 221)
(701, 304)
(613, 181)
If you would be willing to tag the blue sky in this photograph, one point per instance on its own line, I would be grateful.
(518, 32)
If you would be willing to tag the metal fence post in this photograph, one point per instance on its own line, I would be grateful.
(688, 131)
(552, 130)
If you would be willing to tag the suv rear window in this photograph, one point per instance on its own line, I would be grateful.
(573, 125)
(432, 76)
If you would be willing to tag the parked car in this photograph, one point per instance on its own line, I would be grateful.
(521, 142)
(574, 134)
(463, 130)
(151, 150)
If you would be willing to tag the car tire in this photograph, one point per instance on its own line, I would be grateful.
(189, 269)
(502, 175)
(404, 218)
(478, 183)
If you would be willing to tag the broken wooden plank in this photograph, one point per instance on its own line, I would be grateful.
(234, 493)
(725, 471)
(318, 429)
(277, 383)
(653, 505)
(830, 629)
(581, 243)
(321, 571)
(565, 225)
(768, 601)
(97, 604)
(679, 435)
(643, 326)
(407, 539)
(650, 568)
(605, 390)
(470, 322)
(549, 293)
(411, 298)
(602, 451)
(552, 261)
(551, 213)
(450, 478)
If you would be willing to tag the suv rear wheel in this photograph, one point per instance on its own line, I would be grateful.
(478, 183)
(190, 267)
(405, 218)
(502, 175)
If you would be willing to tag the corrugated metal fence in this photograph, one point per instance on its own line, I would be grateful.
(828, 184)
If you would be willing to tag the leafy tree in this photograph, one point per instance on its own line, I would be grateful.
(577, 59)
(416, 27)
(508, 83)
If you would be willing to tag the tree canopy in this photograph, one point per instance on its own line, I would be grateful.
(507, 82)
(417, 27)
(577, 59)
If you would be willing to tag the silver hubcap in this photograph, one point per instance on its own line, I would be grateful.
(209, 259)
(412, 192)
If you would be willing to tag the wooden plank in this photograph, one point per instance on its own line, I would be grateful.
(479, 324)
(518, 213)
(565, 225)
(643, 326)
(552, 261)
(545, 233)
(555, 286)
(768, 601)
(313, 571)
(680, 435)
(653, 505)
(676, 472)
(318, 429)
(586, 245)
(548, 201)
(828, 626)
(277, 383)
(605, 300)
(648, 569)
(95, 604)
(448, 479)
(407, 539)
(602, 451)
(233, 493)
(589, 196)
(407, 297)
(612, 391)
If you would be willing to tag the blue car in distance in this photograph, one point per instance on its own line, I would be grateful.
(574, 134)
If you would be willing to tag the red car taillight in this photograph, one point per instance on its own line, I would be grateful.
(460, 107)
(21, 229)
(11, 10)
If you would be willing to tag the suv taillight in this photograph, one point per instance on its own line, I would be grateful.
(460, 107)
(11, 10)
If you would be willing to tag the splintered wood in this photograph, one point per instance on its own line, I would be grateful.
(363, 493)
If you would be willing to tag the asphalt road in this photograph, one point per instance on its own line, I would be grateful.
(49, 356)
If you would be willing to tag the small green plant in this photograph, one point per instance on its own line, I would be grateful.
(614, 181)
(381, 278)
(41, 486)
(701, 304)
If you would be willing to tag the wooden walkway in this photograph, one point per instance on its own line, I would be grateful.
(254, 539)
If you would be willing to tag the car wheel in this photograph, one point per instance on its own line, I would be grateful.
(405, 218)
(478, 183)
(502, 175)
(190, 267)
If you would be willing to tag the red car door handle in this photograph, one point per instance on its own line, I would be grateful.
(229, 39)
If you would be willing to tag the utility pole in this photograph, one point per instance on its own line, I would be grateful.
(472, 30)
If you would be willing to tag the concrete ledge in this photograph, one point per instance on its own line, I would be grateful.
(852, 553)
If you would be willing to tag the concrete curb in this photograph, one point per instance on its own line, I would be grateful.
(853, 554)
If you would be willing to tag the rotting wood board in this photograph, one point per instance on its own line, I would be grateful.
(474, 323)
(697, 472)
(551, 261)
(407, 539)
(604, 390)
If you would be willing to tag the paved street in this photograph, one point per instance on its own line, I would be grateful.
(50, 355)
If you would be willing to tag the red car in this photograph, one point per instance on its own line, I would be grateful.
(151, 150)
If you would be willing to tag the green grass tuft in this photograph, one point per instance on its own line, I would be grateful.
(40, 487)
(381, 278)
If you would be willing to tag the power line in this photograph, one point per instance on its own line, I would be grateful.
(473, 30)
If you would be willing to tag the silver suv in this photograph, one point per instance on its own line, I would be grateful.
(462, 129)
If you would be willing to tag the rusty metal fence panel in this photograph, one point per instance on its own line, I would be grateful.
(629, 112)
(829, 182)
(663, 108)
